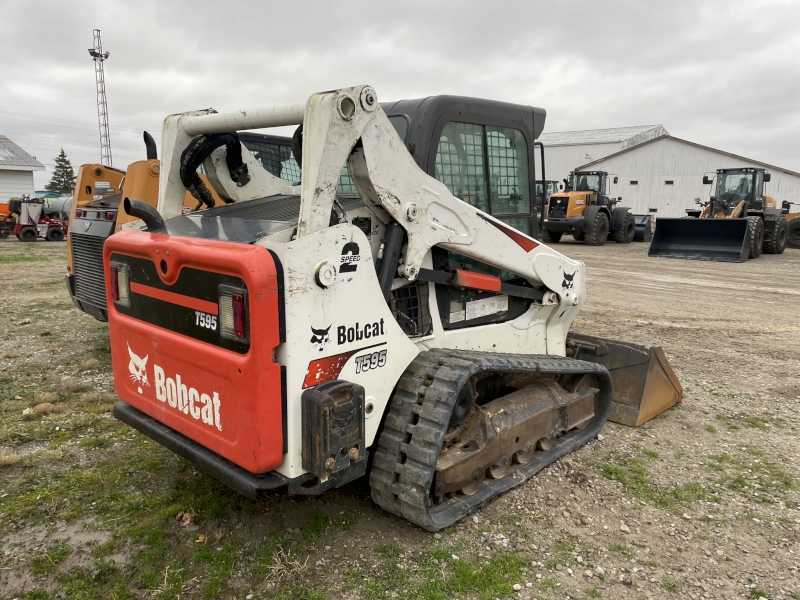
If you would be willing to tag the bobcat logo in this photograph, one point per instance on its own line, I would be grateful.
(320, 338)
(137, 368)
(568, 282)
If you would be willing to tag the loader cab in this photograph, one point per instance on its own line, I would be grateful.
(545, 189)
(734, 186)
(482, 150)
(96, 213)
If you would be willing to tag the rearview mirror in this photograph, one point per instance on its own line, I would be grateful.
(767, 177)
(616, 179)
(706, 180)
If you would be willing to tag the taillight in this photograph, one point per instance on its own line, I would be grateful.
(113, 284)
(109, 216)
(79, 213)
(238, 316)
(118, 284)
(233, 313)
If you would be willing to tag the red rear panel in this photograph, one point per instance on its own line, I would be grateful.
(172, 358)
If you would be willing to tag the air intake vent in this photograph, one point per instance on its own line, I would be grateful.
(87, 265)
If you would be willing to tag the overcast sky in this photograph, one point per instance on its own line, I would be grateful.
(721, 73)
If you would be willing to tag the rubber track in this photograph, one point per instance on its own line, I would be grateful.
(404, 464)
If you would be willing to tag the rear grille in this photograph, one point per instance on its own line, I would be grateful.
(409, 305)
(87, 266)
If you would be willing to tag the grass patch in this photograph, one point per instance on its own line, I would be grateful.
(737, 421)
(388, 550)
(314, 528)
(219, 563)
(8, 458)
(711, 429)
(439, 576)
(8, 260)
(548, 584)
(265, 556)
(48, 561)
(751, 473)
(670, 585)
(623, 549)
(636, 477)
(593, 592)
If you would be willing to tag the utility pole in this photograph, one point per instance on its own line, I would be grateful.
(102, 104)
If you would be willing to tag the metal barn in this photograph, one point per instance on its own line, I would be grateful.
(664, 175)
(565, 150)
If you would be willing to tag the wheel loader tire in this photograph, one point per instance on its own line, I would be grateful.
(775, 242)
(628, 230)
(598, 230)
(28, 234)
(793, 233)
(578, 236)
(402, 476)
(755, 227)
(55, 234)
(551, 236)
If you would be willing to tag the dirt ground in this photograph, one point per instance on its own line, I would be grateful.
(701, 502)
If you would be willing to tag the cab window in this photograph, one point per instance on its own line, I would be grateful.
(487, 167)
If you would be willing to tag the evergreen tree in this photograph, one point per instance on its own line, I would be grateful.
(63, 180)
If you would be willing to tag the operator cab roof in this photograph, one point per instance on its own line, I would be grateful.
(742, 170)
(426, 117)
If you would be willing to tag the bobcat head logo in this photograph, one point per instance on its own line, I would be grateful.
(320, 338)
(568, 282)
(137, 366)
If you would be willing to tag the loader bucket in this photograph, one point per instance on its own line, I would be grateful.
(721, 240)
(643, 231)
(642, 380)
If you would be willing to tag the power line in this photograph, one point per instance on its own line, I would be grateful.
(65, 142)
(88, 123)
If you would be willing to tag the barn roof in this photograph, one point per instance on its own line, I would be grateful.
(636, 134)
(15, 158)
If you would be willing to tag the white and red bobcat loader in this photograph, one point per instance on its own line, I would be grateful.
(295, 339)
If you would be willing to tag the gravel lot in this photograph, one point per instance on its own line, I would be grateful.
(701, 502)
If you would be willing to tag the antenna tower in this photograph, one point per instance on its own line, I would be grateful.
(99, 56)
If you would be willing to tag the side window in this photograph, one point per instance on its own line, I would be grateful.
(759, 189)
(509, 190)
(460, 163)
(346, 186)
(488, 168)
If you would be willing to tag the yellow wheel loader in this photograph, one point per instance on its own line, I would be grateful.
(792, 224)
(100, 190)
(738, 222)
(585, 210)
(299, 339)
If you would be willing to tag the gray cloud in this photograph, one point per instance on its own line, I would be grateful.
(724, 74)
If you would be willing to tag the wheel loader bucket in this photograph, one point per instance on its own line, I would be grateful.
(720, 240)
(643, 382)
(643, 231)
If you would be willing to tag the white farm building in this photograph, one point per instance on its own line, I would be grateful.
(657, 173)
(16, 170)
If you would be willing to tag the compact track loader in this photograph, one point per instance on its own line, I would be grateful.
(295, 338)
(586, 211)
(96, 215)
(738, 222)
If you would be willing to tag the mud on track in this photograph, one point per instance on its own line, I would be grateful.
(700, 503)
